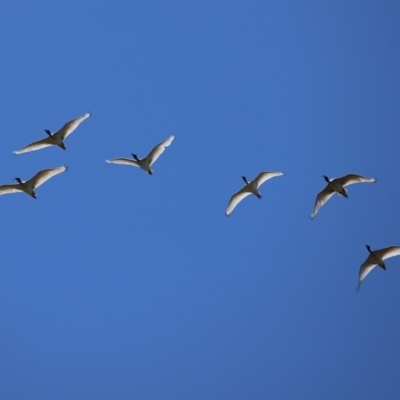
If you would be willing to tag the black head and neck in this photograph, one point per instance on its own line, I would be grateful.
(326, 178)
(368, 248)
(48, 132)
(135, 157)
(18, 180)
(246, 181)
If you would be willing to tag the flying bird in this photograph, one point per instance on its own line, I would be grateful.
(33, 183)
(250, 188)
(56, 138)
(337, 185)
(148, 161)
(375, 258)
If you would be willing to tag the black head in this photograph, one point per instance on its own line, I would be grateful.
(48, 132)
(135, 157)
(244, 178)
(368, 248)
(326, 178)
(18, 180)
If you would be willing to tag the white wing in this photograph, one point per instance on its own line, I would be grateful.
(43, 176)
(158, 150)
(235, 200)
(370, 264)
(353, 178)
(40, 144)
(125, 161)
(365, 269)
(323, 196)
(6, 189)
(264, 176)
(388, 252)
(70, 126)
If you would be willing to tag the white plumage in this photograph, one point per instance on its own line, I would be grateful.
(250, 188)
(337, 185)
(54, 139)
(33, 183)
(146, 162)
(375, 258)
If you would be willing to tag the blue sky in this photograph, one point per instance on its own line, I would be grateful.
(119, 285)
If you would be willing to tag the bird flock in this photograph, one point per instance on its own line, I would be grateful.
(336, 185)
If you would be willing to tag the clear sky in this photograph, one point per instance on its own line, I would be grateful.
(115, 284)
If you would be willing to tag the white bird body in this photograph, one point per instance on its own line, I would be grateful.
(375, 258)
(146, 162)
(250, 188)
(30, 185)
(337, 185)
(54, 139)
